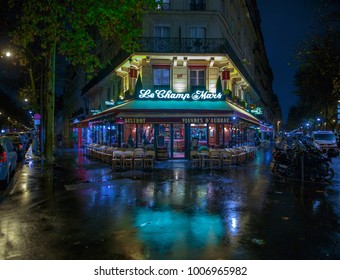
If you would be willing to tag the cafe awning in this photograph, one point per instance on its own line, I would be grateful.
(175, 111)
(80, 124)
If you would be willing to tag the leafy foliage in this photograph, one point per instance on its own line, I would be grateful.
(316, 78)
(139, 85)
(318, 63)
(75, 29)
(218, 85)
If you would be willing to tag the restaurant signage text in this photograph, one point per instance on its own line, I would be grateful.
(194, 120)
(164, 94)
(134, 120)
(206, 120)
(94, 112)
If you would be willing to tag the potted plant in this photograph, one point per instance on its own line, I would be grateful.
(228, 92)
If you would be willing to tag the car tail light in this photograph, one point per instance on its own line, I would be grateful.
(3, 157)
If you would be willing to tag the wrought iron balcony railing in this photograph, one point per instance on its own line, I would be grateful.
(182, 45)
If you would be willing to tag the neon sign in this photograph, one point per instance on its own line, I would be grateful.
(164, 94)
(257, 111)
(109, 103)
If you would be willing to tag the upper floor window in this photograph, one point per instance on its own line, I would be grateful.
(197, 41)
(197, 5)
(163, 5)
(161, 40)
(161, 77)
(197, 78)
(197, 32)
(162, 31)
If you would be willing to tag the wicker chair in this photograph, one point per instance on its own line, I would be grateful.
(117, 160)
(149, 159)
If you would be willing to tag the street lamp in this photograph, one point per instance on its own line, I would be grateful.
(318, 123)
(6, 54)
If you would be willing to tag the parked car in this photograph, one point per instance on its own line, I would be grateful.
(298, 135)
(327, 141)
(20, 144)
(8, 159)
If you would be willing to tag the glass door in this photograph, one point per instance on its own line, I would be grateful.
(178, 147)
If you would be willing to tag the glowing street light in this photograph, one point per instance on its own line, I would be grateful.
(5, 53)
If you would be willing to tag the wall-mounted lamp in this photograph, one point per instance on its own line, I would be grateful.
(174, 61)
(212, 61)
(185, 61)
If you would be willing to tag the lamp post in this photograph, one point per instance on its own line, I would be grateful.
(278, 128)
(0, 123)
(318, 123)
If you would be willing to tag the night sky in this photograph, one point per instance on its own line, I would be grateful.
(285, 24)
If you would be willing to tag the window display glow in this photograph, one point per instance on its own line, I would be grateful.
(169, 95)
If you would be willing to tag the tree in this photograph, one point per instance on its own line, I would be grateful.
(318, 64)
(316, 76)
(75, 29)
(218, 85)
(295, 118)
(139, 86)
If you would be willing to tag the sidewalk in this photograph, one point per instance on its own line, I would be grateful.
(72, 170)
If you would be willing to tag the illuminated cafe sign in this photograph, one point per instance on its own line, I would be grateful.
(109, 103)
(164, 94)
(94, 112)
(257, 111)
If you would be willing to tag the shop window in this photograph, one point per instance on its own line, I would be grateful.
(161, 78)
(199, 131)
(197, 79)
(146, 134)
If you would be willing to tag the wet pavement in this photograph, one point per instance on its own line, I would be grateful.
(81, 209)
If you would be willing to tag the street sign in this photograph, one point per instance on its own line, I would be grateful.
(36, 116)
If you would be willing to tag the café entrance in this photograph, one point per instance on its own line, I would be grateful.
(174, 139)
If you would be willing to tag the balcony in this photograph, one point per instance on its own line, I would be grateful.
(182, 45)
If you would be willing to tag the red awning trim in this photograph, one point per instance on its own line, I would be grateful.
(197, 66)
(161, 66)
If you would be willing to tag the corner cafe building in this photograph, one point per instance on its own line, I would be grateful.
(172, 121)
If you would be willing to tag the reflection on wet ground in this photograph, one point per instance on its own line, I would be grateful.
(80, 209)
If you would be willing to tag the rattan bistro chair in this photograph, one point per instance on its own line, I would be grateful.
(117, 160)
(215, 159)
(138, 159)
(149, 159)
(195, 159)
(128, 159)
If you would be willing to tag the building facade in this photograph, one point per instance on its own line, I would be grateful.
(200, 74)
